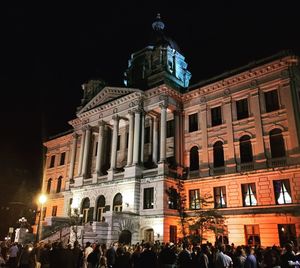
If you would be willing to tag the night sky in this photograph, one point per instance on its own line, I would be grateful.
(48, 51)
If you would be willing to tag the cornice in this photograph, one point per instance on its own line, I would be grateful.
(250, 76)
(59, 141)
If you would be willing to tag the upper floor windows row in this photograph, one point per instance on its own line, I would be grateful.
(62, 160)
(282, 194)
(242, 110)
(58, 185)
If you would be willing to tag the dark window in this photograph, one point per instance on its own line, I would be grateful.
(170, 128)
(173, 198)
(54, 211)
(277, 143)
(271, 99)
(220, 197)
(96, 148)
(216, 116)
(52, 161)
(249, 194)
(59, 181)
(287, 233)
(127, 139)
(242, 109)
(245, 149)
(252, 235)
(148, 198)
(282, 192)
(194, 159)
(118, 203)
(49, 186)
(147, 135)
(218, 154)
(70, 207)
(193, 122)
(119, 143)
(194, 199)
(62, 158)
(173, 233)
(85, 210)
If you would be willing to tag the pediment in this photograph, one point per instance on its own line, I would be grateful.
(105, 95)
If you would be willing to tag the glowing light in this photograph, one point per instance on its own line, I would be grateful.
(42, 199)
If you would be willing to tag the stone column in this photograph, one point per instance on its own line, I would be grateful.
(99, 148)
(113, 159)
(259, 151)
(143, 114)
(130, 138)
(163, 132)
(177, 138)
(73, 155)
(86, 150)
(136, 144)
(81, 152)
(155, 140)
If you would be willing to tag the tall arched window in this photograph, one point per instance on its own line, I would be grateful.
(194, 159)
(100, 208)
(85, 209)
(218, 154)
(49, 186)
(277, 143)
(59, 181)
(117, 203)
(246, 149)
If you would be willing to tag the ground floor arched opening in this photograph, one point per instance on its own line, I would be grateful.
(149, 235)
(125, 237)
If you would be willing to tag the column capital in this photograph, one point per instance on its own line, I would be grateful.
(86, 127)
(74, 135)
(138, 110)
(101, 123)
(131, 113)
(163, 105)
(115, 117)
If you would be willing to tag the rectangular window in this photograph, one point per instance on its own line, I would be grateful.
(282, 191)
(252, 235)
(119, 143)
(148, 198)
(249, 194)
(44, 213)
(242, 109)
(52, 161)
(170, 128)
(173, 198)
(147, 135)
(62, 158)
(193, 122)
(96, 148)
(173, 234)
(271, 101)
(54, 211)
(127, 139)
(220, 197)
(194, 199)
(216, 116)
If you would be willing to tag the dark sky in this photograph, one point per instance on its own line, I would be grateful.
(48, 51)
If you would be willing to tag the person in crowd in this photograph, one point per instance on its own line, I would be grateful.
(222, 260)
(250, 261)
(111, 255)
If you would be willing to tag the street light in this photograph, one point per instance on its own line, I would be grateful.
(41, 201)
(75, 213)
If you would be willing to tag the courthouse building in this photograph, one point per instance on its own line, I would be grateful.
(234, 137)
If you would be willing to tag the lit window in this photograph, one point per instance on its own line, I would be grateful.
(220, 197)
(252, 235)
(282, 192)
(194, 199)
(249, 194)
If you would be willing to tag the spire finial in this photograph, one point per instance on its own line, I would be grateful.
(158, 25)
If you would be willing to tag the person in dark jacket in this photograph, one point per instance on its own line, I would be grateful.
(111, 255)
(148, 257)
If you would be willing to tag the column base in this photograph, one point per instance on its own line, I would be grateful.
(162, 168)
(110, 174)
(133, 171)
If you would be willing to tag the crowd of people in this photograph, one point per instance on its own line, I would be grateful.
(147, 255)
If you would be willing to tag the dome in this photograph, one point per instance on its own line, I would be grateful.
(159, 37)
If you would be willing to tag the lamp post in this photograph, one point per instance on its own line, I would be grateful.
(41, 201)
(76, 215)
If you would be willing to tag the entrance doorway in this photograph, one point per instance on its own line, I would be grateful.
(125, 237)
(149, 235)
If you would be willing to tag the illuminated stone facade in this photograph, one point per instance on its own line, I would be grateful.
(234, 137)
